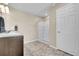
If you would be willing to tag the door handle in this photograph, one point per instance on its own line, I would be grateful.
(58, 31)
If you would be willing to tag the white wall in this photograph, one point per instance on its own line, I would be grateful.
(52, 27)
(25, 22)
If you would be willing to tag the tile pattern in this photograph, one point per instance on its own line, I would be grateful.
(38, 48)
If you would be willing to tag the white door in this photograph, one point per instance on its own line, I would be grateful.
(67, 26)
(43, 28)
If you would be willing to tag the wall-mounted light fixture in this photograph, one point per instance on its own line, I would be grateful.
(4, 8)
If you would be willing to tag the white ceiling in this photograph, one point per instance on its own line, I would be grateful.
(38, 9)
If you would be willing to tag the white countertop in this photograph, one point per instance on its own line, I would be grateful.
(10, 34)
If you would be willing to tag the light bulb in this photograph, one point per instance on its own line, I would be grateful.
(2, 9)
(6, 10)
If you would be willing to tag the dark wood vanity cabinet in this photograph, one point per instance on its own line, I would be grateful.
(11, 46)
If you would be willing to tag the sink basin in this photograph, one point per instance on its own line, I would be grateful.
(9, 34)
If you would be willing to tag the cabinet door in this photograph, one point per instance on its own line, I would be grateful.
(15, 46)
(11, 46)
(2, 47)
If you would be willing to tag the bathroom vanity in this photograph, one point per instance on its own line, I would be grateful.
(11, 44)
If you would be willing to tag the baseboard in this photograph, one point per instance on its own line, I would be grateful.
(65, 52)
(29, 41)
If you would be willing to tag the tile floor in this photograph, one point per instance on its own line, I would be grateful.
(38, 48)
